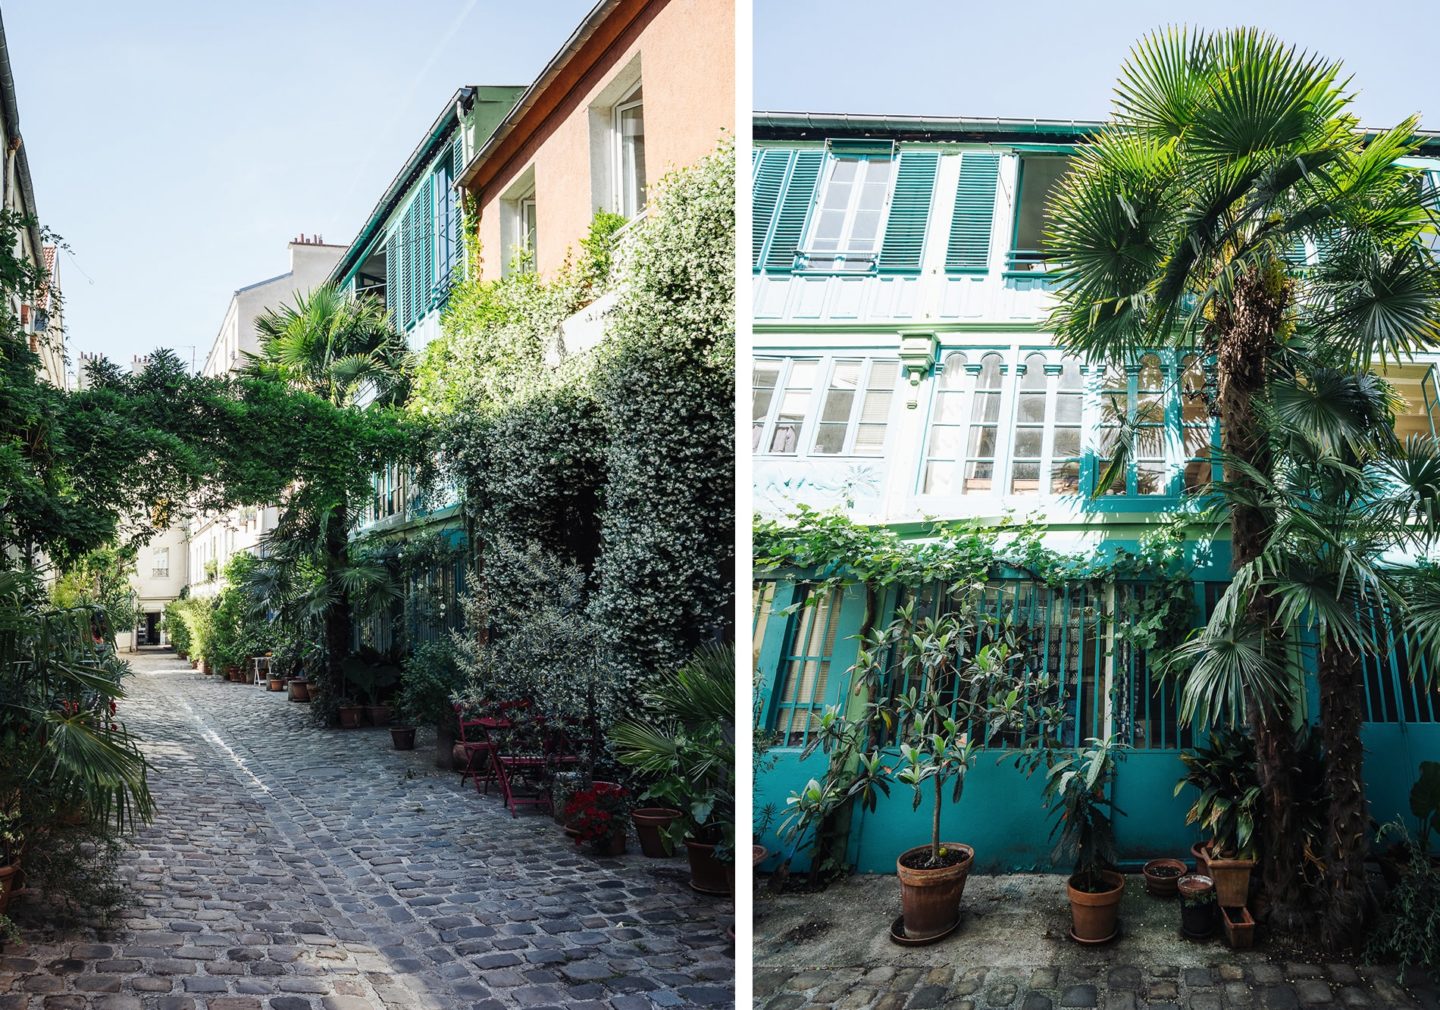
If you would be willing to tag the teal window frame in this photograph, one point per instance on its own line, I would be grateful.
(804, 253)
(819, 674)
(1023, 263)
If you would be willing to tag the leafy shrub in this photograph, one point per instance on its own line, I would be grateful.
(431, 678)
(1409, 927)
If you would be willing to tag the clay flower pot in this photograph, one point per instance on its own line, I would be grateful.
(277, 683)
(379, 715)
(1239, 927)
(1161, 875)
(1201, 852)
(757, 855)
(708, 875)
(1095, 914)
(8, 875)
(403, 737)
(930, 898)
(350, 716)
(650, 826)
(613, 844)
(299, 689)
(1232, 880)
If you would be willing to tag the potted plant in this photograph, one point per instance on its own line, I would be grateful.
(371, 679)
(11, 840)
(1197, 905)
(957, 699)
(1224, 774)
(596, 816)
(428, 684)
(299, 689)
(1078, 792)
(686, 746)
(349, 712)
(653, 827)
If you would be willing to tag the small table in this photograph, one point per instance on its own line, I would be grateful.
(262, 669)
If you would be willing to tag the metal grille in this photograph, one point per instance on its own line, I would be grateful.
(805, 669)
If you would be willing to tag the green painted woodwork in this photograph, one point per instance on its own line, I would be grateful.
(909, 211)
(771, 169)
(793, 210)
(972, 220)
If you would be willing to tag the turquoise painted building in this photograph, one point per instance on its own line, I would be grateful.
(902, 372)
(411, 252)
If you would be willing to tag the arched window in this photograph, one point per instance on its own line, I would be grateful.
(1069, 411)
(1028, 443)
(984, 428)
(947, 427)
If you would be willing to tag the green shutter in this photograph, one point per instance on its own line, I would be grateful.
(909, 211)
(392, 278)
(1294, 253)
(974, 214)
(411, 273)
(794, 209)
(769, 181)
(426, 196)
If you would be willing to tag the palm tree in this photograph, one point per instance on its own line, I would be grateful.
(1179, 227)
(345, 351)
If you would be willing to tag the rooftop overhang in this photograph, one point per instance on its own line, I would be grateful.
(587, 46)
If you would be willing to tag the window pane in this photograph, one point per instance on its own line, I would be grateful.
(1197, 475)
(989, 377)
(954, 374)
(1031, 408)
(938, 476)
(757, 432)
(1068, 407)
(883, 374)
(877, 406)
(1065, 478)
(949, 407)
(767, 373)
(802, 373)
(1197, 441)
(762, 403)
(1034, 377)
(1025, 478)
(838, 403)
(1027, 442)
(1150, 478)
(982, 441)
(986, 407)
(830, 438)
(1193, 410)
(786, 437)
(945, 442)
(979, 477)
(869, 439)
(1070, 377)
(1067, 442)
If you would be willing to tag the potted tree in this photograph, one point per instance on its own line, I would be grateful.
(1077, 789)
(428, 684)
(1224, 773)
(685, 745)
(931, 698)
(371, 679)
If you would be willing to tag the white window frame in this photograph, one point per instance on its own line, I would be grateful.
(844, 258)
(624, 190)
(825, 365)
(852, 423)
(525, 239)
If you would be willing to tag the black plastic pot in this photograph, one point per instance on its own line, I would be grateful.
(1197, 905)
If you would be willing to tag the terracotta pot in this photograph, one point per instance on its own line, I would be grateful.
(299, 689)
(277, 683)
(445, 746)
(612, 846)
(1160, 883)
(1239, 927)
(708, 875)
(7, 883)
(1197, 905)
(757, 855)
(1095, 914)
(403, 737)
(350, 716)
(379, 715)
(1201, 852)
(650, 825)
(1232, 880)
(194, 664)
(930, 899)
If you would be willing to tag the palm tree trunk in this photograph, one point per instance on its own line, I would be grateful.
(1247, 327)
(338, 621)
(1341, 710)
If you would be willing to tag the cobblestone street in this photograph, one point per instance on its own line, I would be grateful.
(292, 868)
(830, 949)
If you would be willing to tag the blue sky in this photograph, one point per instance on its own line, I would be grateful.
(177, 146)
(1053, 60)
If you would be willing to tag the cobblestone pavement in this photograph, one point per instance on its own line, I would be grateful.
(830, 949)
(290, 868)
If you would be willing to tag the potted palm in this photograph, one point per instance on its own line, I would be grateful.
(933, 699)
(1077, 790)
(1224, 773)
(685, 745)
(371, 679)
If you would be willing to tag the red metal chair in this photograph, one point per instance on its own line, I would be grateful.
(511, 762)
(474, 749)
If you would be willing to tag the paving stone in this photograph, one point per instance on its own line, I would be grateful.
(1080, 996)
(1311, 992)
